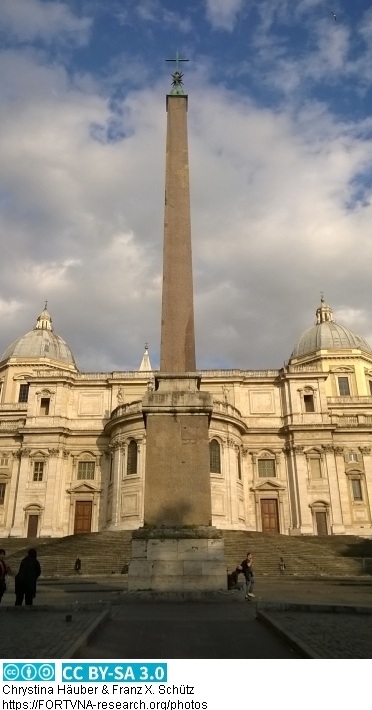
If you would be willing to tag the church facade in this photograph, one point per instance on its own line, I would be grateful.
(290, 449)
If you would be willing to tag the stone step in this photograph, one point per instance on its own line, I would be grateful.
(109, 552)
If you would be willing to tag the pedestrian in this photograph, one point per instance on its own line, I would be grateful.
(282, 567)
(77, 565)
(247, 568)
(4, 571)
(25, 580)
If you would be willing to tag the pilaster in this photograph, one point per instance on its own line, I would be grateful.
(305, 519)
(337, 524)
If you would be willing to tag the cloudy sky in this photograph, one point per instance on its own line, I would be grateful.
(280, 141)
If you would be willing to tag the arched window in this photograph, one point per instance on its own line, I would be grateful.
(132, 458)
(214, 456)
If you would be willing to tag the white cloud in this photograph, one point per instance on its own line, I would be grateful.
(81, 219)
(28, 20)
(8, 308)
(155, 11)
(222, 14)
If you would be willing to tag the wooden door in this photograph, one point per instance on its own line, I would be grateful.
(32, 525)
(269, 515)
(321, 523)
(83, 516)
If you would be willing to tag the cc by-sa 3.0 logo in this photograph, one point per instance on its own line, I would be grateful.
(24, 672)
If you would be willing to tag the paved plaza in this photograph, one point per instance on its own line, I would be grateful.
(97, 618)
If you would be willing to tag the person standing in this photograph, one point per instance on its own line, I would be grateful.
(25, 581)
(247, 569)
(4, 571)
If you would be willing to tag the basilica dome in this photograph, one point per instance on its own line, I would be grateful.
(328, 335)
(41, 342)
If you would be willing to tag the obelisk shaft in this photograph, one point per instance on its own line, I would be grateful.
(177, 549)
(177, 484)
(177, 352)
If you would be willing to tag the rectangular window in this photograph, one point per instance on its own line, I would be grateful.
(239, 466)
(86, 470)
(309, 403)
(23, 393)
(352, 457)
(343, 386)
(132, 458)
(4, 462)
(266, 468)
(38, 470)
(44, 406)
(315, 469)
(370, 386)
(2, 493)
(356, 487)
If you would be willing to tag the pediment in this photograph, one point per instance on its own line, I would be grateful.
(268, 485)
(84, 488)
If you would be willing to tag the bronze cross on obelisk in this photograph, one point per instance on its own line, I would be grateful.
(177, 60)
(177, 76)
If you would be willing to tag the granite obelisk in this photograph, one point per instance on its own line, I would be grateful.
(177, 548)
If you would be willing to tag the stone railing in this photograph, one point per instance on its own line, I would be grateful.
(130, 375)
(225, 408)
(238, 373)
(53, 373)
(349, 400)
(142, 375)
(303, 368)
(352, 420)
(123, 409)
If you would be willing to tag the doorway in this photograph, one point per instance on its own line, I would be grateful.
(321, 523)
(269, 515)
(83, 516)
(32, 525)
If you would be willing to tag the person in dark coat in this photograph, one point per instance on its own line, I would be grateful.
(247, 568)
(25, 580)
(4, 571)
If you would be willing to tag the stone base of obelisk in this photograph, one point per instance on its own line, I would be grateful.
(177, 560)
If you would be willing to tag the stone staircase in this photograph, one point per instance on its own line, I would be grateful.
(101, 553)
(104, 553)
(336, 555)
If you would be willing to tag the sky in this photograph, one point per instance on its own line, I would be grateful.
(280, 148)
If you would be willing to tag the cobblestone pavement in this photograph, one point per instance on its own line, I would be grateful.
(44, 633)
(36, 632)
(328, 635)
(186, 630)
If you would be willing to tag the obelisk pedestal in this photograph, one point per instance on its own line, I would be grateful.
(177, 549)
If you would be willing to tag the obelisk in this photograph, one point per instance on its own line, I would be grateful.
(178, 548)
